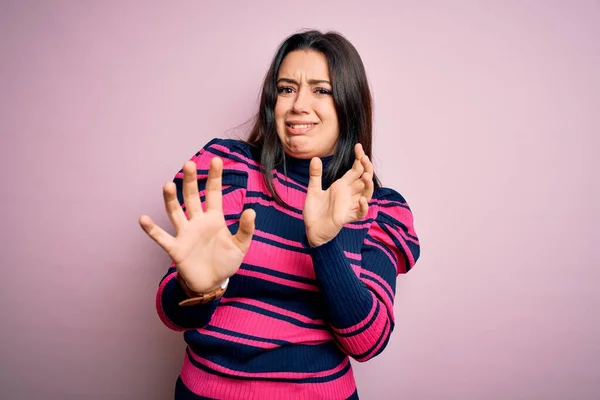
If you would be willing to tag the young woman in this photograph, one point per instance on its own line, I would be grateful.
(287, 247)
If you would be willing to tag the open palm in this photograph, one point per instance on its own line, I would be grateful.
(345, 201)
(203, 250)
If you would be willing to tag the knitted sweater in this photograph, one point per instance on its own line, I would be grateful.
(292, 315)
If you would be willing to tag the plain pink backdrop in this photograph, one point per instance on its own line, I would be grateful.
(486, 121)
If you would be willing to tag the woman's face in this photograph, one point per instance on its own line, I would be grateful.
(307, 123)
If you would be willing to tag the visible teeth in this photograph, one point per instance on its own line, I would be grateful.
(301, 126)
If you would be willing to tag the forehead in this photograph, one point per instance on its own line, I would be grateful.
(303, 64)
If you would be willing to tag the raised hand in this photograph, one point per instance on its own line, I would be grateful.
(204, 251)
(345, 201)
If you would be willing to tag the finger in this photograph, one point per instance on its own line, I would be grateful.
(214, 195)
(243, 236)
(174, 210)
(366, 163)
(358, 186)
(367, 178)
(353, 173)
(316, 172)
(359, 151)
(157, 234)
(191, 197)
(363, 207)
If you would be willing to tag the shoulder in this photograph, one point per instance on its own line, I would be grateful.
(237, 158)
(385, 194)
(392, 209)
(230, 149)
(395, 224)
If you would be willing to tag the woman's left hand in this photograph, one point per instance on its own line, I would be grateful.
(345, 201)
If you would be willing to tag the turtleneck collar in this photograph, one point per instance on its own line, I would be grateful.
(298, 169)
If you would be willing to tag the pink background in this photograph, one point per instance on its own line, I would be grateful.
(486, 120)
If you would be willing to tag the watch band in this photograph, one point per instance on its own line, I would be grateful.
(201, 298)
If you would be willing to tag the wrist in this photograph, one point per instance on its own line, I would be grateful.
(195, 297)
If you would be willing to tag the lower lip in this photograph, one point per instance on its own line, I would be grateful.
(299, 131)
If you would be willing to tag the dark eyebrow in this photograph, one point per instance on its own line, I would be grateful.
(310, 82)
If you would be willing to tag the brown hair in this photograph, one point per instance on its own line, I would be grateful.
(352, 99)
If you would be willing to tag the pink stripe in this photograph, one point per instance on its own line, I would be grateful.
(232, 202)
(353, 256)
(268, 375)
(227, 151)
(159, 306)
(401, 239)
(384, 334)
(249, 322)
(360, 324)
(293, 197)
(403, 215)
(402, 234)
(278, 280)
(249, 342)
(363, 341)
(281, 260)
(205, 384)
(278, 239)
(269, 307)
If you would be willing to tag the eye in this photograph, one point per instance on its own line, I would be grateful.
(285, 89)
(323, 91)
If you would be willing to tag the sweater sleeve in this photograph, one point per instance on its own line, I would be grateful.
(360, 305)
(234, 183)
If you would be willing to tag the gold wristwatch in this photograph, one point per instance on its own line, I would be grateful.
(201, 298)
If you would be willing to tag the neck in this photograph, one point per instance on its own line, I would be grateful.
(298, 169)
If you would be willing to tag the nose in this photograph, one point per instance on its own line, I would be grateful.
(302, 101)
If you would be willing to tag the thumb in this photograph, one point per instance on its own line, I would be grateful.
(316, 172)
(243, 236)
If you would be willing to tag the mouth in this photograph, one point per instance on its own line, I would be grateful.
(299, 128)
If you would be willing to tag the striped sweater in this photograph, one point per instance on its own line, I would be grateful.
(292, 315)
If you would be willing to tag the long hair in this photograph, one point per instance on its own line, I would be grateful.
(351, 96)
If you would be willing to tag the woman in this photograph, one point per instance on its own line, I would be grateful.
(289, 266)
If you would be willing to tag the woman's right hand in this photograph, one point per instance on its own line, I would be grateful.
(204, 251)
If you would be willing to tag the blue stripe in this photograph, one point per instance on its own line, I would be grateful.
(398, 245)
(367, 277)
(261, 195)
(323, 379)
(393, 221)
(273, 314)
(244, 336)
(365, 327)
(280, 245)
(381, 338)
(300, 301)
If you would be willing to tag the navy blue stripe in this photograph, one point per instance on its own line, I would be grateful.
(280, 245)
(300, 301)
(273, 314)
(244, 336)
(261, 195)
(289, 184)
(367, 277)
(394, 204)
(383, 246)
(393, 221)
(232, 156)
(398, 245)
(323, 379)
(365, 327)
(381, 338)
